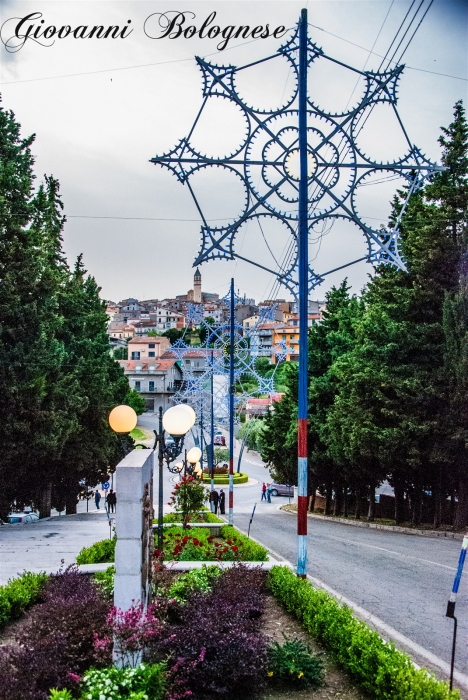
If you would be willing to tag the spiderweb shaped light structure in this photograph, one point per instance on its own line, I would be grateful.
(300, 165)
(200, 362)
(266, 163)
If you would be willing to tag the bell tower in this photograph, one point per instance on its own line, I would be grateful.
(197, 293)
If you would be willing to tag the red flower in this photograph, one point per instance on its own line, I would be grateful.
(234, 548)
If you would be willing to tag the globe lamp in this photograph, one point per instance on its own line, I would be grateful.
(122, 419)
(193, 455)
(177, 420)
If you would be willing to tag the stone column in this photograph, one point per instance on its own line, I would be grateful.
(133, 523)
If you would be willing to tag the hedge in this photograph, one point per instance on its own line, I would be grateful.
(204, 516)
(377, 666)
(102, 552)
(18, 594)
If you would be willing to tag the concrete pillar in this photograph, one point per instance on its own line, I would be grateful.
(133, 523)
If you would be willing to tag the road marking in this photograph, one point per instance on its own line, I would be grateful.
(381, 626)
(391, 551)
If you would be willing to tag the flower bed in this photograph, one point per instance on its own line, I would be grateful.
(187, 545)
(380, 669)
(204, 516)
(183, 545)
(223, 479)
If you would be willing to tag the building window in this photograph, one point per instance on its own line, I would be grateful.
(137, 386)
(151, 345)
(151, 386)
(151, 354)
(135, 355)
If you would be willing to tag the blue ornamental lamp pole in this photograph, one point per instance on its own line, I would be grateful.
(231, 405)
(303, 239)
(332, 168)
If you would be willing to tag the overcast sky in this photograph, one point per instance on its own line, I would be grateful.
(102, 108)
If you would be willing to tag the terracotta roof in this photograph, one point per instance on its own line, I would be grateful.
(149, 339)
(159, 365)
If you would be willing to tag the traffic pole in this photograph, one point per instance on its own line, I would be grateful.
(303, 234)
(231, 407)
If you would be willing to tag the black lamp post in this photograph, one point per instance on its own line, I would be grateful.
(176, 421)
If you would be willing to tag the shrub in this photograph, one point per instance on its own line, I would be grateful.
(200, 580)
(232, 546)
(215, 648)
(251, 551)
(188, 497)
(18, 594)
(64, 694)
(102, 552)
(203, 516)
(145, 682)
(58, 643)
(382, 671)
(293, 663)
(131, 631)
(105, 582)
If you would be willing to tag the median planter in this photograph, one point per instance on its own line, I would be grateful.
(377, 666)
(223, 479)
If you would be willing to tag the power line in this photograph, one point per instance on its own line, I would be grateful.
(142, 65)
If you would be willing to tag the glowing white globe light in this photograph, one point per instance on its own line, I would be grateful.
(177, 420)
(193, 455)
(190, 411)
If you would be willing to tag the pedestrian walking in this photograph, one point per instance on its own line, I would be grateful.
(268, 493)
(111, 501)
(97, 499)
(214, 499)
(222, 502)
(264, 488)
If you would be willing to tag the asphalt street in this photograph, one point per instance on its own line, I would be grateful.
(405, 580)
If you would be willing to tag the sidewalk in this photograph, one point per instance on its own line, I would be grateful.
(40, 546)
(440, 534)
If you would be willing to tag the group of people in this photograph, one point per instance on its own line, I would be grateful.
(218, 500)
(266, 492)
(111, 500)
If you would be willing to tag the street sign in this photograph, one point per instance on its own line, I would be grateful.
(105, 485)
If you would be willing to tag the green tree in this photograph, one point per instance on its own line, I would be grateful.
(39, 406)
(93, 448)
(135, 400)
(174, 334)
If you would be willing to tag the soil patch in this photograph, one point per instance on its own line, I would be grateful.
(276, 624)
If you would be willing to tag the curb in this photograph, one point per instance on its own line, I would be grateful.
(443, 534)
(413, 649)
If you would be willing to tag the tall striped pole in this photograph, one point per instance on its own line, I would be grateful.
(452, 601)
(303, 305)
(231, 407)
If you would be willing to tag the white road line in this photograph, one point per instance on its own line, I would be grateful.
(381, 626)
(391, 551)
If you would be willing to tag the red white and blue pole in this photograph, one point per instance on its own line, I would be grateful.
(303, 261)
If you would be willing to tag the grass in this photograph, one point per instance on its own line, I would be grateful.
(138, 434)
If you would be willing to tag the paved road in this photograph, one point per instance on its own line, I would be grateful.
(405, 580)
(42, 545)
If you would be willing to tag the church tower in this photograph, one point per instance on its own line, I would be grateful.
(197, 293)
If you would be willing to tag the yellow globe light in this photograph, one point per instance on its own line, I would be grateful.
(177, 421)
(122, 419)
(190, 411)
(198, 469)
(193, 455)
(178, 466)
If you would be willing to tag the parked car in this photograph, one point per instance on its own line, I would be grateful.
(22, 517)
(282, 489)
(220, 440)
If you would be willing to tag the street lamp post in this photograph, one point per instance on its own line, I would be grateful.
(176, 421)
